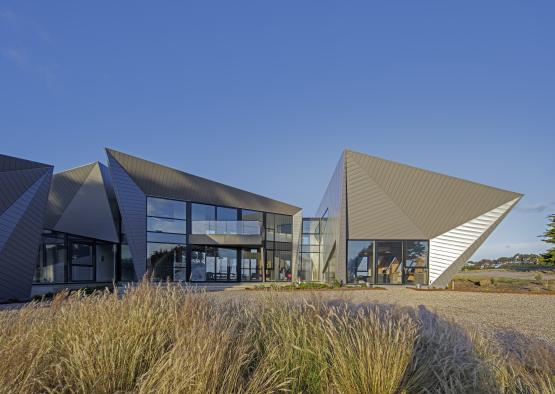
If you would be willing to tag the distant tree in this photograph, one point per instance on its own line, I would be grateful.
(549, 237)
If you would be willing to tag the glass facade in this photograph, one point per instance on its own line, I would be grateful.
(251, 265)
(387, 262)
(360, 261)
(65, 259)
(211, 220)
(279, 247)
(166, 261)
(166, 239)
(52, 264)
(213, 264)
(309, 262)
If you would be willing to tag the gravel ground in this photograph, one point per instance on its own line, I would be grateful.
(531, 315)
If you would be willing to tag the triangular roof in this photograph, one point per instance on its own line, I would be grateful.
(388, 199)
(80, 203)
(23, 192)
(16, 176)
(158, 180)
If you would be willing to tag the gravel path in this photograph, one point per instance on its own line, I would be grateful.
(532, 315)
(503, 314)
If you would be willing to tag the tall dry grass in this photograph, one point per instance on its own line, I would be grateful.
(175, 340)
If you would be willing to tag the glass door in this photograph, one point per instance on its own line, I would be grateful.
(226, 264)
(251, 265)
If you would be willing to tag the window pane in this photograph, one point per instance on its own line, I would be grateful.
(165, 237)
(81, 273)
(198, 264)
(226, 264)
(251, 265)
(252, 215)
(164, 260)
(203, 212)
(81, 254)
(280, 268)
(54, 268)
(166, 208)
(360, 261)
(310, 226)
(127, 269)
(226, 214)
(166, 225)
(416, 262)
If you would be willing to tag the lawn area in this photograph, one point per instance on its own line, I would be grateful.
(174, 340)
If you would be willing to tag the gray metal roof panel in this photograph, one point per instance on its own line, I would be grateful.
(158, 180)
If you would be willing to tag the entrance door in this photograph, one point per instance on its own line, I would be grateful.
(226, 264)
(389, 262)
(251, 265)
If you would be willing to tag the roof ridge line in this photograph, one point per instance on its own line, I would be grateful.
(77, 191)
(390, 198)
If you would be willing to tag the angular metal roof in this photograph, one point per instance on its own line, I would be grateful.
(158, 180)
(23, 193)
(389, 200)
(81, 202)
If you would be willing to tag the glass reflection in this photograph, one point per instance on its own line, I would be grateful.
(166, 261)
(166, 225)
(389, 262)
(360, 261)
(416, 262)
(251, 265)
(166, 208)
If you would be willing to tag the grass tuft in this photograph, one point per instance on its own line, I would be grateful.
(173, 339)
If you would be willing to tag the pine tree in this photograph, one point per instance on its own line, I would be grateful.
(549, 237)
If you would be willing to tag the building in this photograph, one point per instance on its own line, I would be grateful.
(379, 222)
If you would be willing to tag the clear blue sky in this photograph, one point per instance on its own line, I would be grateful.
(264, 95)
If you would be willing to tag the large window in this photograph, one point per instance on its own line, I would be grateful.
(360, 261)
(416, 262)
(279, 234)
(164, 208)
(210, 264)
(166, 220)
(166, 261)
(387, 262)
(309, 263)
(279, 228)
(226, 264)
(166, 236)
(203, 263)
(278, 265)
(52, 260)
(66, 258)
(251, 265)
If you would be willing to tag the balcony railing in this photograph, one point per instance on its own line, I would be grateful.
(217, 227)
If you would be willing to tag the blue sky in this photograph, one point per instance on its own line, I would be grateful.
(265, 95)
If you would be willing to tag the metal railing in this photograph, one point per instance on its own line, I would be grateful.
(216, 227)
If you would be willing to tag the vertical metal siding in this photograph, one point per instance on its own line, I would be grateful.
(20, 230)
(132, 204)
